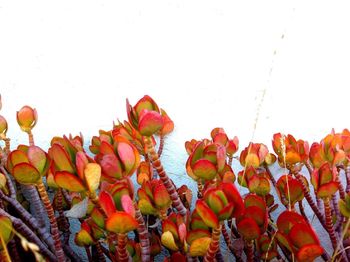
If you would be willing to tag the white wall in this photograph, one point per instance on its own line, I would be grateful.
(205, 62)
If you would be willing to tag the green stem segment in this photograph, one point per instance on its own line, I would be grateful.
(214, 245)
(123, 255)
(164, 177)
(54, 228)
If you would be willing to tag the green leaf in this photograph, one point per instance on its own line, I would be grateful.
(168, 241)
(61, 158)
(207, 214)
(26, 174)
(6, 232)
(204, 169)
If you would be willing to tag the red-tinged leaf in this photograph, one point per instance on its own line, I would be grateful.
(178, 257)
(195, 234)
(98, 217)
(214, 201)
(259, 215)
(282, 239)
(106, 203)
(168, 124)
(327, 190)
(6, 232)
(150, 122)
(292, 157)
(264, 187)
(204, 169)
(287, 220)
(182, 232)
(198, 223)
(168, 241)
(197, 152)
(233, 196)
(326, 174)
(161, 196)
(309, 253)
(254, 200)
(16, 157)
(128, 157)
(344, 209)
(106, 148)
(146, 207)
(168, 225)
(200, 246)
(146, 102)
(39, 159)
(83, 238)
(26, 174)
(221, 157)
(302, 234)
(92, 176)
(81, 161)
(316, 156)
(248, 228)
(111, 166)
(226, 212)
(61, 158)
(251, 160)
(96, 232)
(69, 181)
(128, 205)
(207, 215)
(121, 222)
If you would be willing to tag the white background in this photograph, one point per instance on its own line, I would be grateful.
(206, 62)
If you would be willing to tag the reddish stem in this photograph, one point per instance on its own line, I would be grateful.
(123, 255)
(100, 254)
(143, 235)
(347, 175)
(310, 200)
(250, 250)
(229, 243)
(214, 245)
(176, 202)
(54, 228)
(161, 145)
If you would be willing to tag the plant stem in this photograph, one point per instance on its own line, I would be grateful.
(250, 250)
(31, 138)
(200, 188)
(123, 255)
(347, 175)
(272, 179)
(34, 199)
(161, 145)
(311, 201)
(25, 231)
(88, 253)
(214, 245)
(4, 256)
(54, 228)
(329, 224)
(29, 220)
(176, 202)
(143, 235)
(100, 254)
(302, 211)
(13, 250)
(230, 160)
(229, 243)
